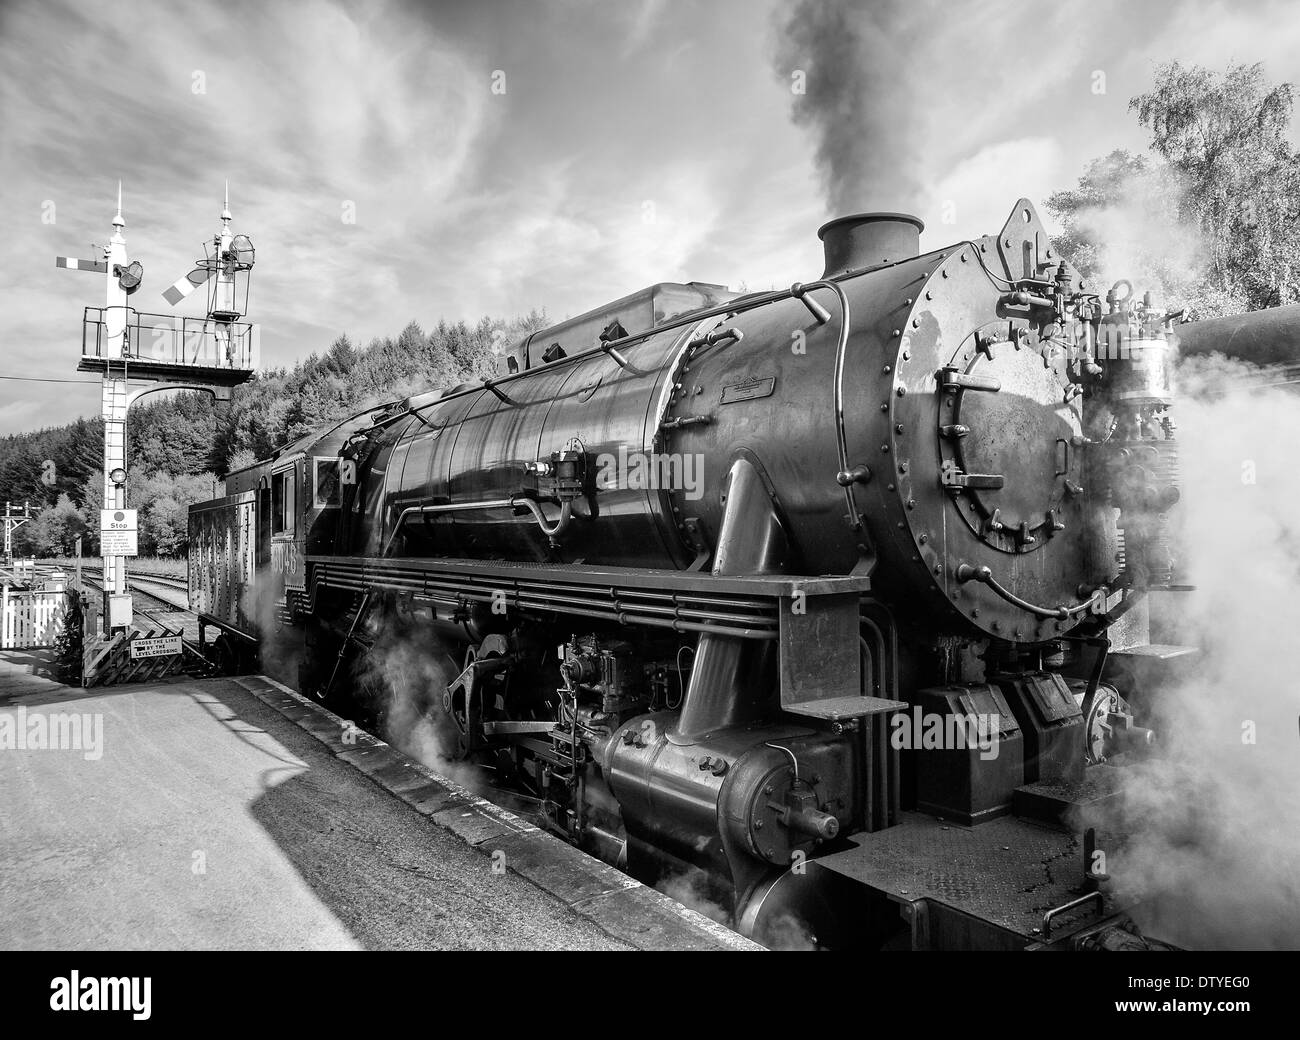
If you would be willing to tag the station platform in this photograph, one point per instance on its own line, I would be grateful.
(235, 814)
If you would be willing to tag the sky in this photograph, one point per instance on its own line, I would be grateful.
(496, 157)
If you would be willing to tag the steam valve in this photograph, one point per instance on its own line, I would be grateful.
(561, 476)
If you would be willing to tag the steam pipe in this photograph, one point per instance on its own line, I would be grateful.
(868, 667)
(847, 476)
(551, 530)
(966, 572)
(890, 653)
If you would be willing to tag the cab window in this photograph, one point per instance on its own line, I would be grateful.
(282, 502)
(326, 482)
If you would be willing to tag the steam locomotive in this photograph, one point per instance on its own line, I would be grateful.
(833, 599)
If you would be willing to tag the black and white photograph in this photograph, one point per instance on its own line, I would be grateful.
(659, 476)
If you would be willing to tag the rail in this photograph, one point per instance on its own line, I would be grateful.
(162, 580)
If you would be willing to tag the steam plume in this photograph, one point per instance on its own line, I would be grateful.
(1216, 819)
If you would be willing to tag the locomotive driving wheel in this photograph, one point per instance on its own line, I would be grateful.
(475, 692)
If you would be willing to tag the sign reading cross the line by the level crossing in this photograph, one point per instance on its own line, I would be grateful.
(157, 646)
(118, 532)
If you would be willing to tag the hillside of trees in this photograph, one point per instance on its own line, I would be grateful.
(180, 446)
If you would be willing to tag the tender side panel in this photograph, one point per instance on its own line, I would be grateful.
(222, 561)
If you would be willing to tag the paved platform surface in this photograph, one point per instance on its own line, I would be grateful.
(212, 817)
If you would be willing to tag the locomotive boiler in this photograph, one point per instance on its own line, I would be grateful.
(699, 571)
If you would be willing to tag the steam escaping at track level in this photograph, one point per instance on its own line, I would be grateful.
(1215, 819)
(401, 679)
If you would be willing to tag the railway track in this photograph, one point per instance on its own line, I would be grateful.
(169, 593)
(172, 592)
(43, 571)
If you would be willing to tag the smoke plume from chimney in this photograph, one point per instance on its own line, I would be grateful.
(859, 96)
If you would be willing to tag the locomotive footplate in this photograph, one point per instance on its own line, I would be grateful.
(985, 887)
(746, 607)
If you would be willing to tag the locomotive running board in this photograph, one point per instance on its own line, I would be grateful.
(814, 617)
(684, 601)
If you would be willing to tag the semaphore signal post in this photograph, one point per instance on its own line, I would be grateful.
(14, 520)
(212, 354)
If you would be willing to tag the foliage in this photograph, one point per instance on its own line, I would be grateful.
(68, 645)
(1210, 219)
(1106, 183)
(54, 531)
(76, 450)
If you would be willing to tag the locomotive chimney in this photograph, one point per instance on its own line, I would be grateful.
(866, 239)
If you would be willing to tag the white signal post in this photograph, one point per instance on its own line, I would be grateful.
(113, 408)
(224, 297)
(229, 261)
(113, 397)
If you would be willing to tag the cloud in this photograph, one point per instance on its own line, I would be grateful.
(472, 202)
(976, 197)
(19, 414)
(321, 108)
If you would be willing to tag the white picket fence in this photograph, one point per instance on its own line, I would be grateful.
(31, 619)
